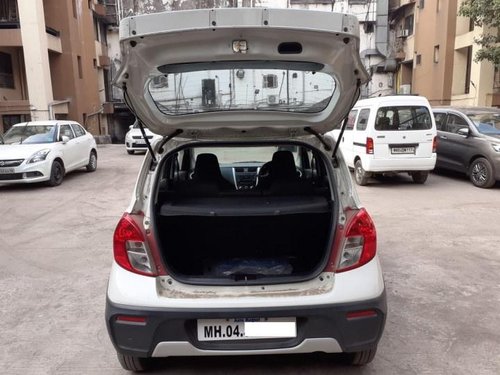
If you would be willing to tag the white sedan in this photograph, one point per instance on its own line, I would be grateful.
(134, 141)
(39, 151)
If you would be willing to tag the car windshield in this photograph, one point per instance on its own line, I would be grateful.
(234, 155)
(29, 134)
(242, 89)
(486, 123)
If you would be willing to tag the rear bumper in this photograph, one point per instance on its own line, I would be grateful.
(172, 332)
(399, 165)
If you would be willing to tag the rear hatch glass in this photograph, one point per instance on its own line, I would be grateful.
(403, 131)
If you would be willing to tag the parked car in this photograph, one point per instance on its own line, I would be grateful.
(134, 140)
(469, 142)
(39, 151)
(244, 234)
(388, 135)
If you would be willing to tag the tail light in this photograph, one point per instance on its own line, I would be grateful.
(360, 244)
(129, 247)
(369, 145)
(434, 144)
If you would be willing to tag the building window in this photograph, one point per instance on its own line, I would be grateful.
(409, 25)
(270, 81)
(80, 69)
(8, 11)
(356, 2)
(75, 9)
(468, 69)
(496, 81)
(436, 54)
(421, 4)
(6, 72)
(9, 120)
(471, 24)
(418, 59)
(96, 28)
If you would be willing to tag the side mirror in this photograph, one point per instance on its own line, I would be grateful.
(463, 131)
(64, 139)
(131, 127)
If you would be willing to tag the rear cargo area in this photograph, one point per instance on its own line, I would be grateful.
(264, 232)
(240, 246)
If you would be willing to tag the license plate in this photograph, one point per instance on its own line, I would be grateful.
(140, 141)
(6, 170)
(403, 150)
(246, 329)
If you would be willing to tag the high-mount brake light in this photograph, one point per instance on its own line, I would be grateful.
(360, 244)
(130, 249)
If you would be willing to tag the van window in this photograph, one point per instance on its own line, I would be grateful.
(362, 119)
(403, 118)
(351, 118)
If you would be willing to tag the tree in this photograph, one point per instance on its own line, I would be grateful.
(485, 13)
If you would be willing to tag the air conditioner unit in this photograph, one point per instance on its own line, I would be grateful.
(272, 100)
(403, 33)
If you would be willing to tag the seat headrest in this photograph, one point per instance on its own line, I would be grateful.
(384, 122)
(283, 165)
(206, 168)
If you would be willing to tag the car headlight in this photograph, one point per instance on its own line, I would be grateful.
(38, 156)
(496, 146)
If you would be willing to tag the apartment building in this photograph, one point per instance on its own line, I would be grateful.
(435, 49)
(53, 62)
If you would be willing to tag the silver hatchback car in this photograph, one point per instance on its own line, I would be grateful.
(245, 234)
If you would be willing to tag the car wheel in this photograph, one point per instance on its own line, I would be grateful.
(130, 152)
(56, 173)
(360, 175)
(92, 165)
(419, 177)
(132, 363)
(362, 358)
(481, 173)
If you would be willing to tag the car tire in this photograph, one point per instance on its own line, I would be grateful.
(92, 165)
(420, 177)
(131, 363)
(362, 358)
(360, 175)
(481, 173)
(56, 173)
(130, 152)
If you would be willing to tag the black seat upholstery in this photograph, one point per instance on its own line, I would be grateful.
(383, 123)
(207, 172)
(282, 177)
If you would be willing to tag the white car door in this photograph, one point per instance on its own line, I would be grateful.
(70, 148)
(83, 145)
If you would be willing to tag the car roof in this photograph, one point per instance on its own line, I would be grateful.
(46, 122)
(468, 110)
(393, 99)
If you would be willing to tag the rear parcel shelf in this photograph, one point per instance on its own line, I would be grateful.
(247, 206)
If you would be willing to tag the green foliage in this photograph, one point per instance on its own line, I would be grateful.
(485, 13)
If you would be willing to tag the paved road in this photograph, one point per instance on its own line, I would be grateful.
(439, 245)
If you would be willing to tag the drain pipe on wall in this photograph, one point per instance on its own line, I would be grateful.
(54, 103)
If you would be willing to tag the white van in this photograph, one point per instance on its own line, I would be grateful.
(390, 134)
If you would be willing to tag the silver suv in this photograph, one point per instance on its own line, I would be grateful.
(469, 142)
(244, 234)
